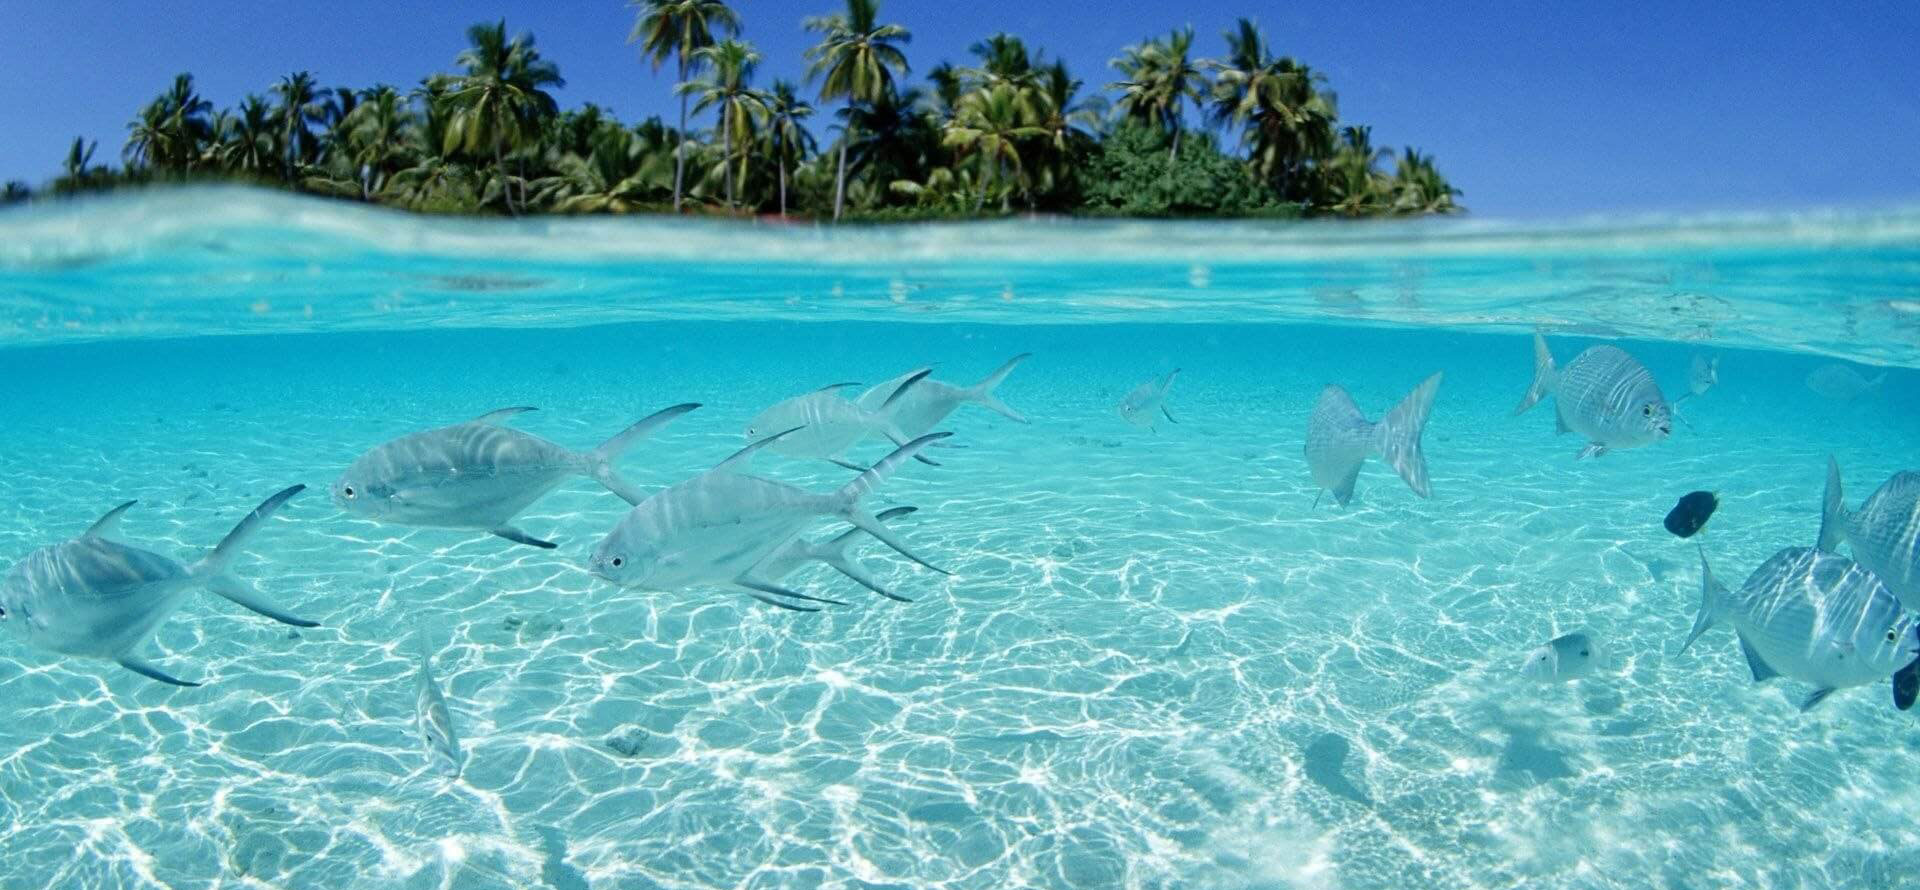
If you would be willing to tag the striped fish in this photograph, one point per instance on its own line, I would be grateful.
(94, 597)
(1818, 618)
(1340, 439)
(1147, 403)
(833, 552)
(1604, 394)
(479, 474)
(432, 716)
(928, 402)
(1884, 533)
(825, 424)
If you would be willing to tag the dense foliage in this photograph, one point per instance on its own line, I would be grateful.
(1011, 133)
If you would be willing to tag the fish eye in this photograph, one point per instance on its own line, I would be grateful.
(3, 613)
(348, 491)
(1893, 634)
(618, 562)
(1647, 410)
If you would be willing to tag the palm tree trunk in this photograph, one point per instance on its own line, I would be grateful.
(780, 159)
(726, 151)
(985, 177)
(840, 179)
(500, 170)
(1174, 153)
(680, 137)
(287, 157)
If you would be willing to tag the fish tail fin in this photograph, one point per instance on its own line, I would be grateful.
(423, 643)
(982, 392)
(1833, 510)
(599, 461)
(1397, 435)
(847, 499)
(1710, 592)
(1543, 376)
(216, 563)
(834, 553)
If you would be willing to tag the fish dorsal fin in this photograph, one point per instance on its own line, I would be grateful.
(106, 525)
(1167, 381)
(905, 385)
(833, 386)
(1756, 664)
(739, 460)
(502, 414)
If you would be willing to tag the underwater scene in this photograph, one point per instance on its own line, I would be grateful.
(1452, 554)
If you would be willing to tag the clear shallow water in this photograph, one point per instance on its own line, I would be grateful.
(1157, 664)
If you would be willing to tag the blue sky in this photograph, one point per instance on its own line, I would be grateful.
(1552, 109)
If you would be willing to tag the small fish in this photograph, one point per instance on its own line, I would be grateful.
(1690, 515)
(833, 551)
(826, 424)
(1841, 383)
(1340, 439)
(94, 597)
(1563, 658)
(1148, 402)
(1703, 373)
(433, 717)
(1818, 618)
(922, 408)
(719, 526)
(1604, 394)
(1884, 533)
(479, 474)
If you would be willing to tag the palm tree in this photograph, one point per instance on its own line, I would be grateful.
(16, 192)
(77, 171)
(623, 172)
(1160, 77)
(1067, 122)
(375, 136)
(856, 60)
(1354, 184)
(1288, 121)
(949, 83)
(680, 28)
(501, 102)
(1419, 188)
(789, 141)
(248, 142)
(171, 130)
(992, 121)
(730, 64)
(890, 138)
(297, 93)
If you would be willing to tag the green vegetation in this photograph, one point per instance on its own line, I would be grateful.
(1012, 133)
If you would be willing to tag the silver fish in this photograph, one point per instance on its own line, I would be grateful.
(1147, 402)
(1702, 374)
(94, 597)
(432, 716)
(1604, 394)
(1884, 533)
(479, 474)
(825, 424)
(1842, 383)
(922, 407)
(1567, 657)
(1815, 617)
(1340, 439)
(833, 552)
(718, 527)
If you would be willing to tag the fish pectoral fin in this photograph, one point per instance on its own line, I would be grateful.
(1167, 414)
(1560, 427)
(1815, 697)
(1593, 449)
(242, 594)
(519, 537)
(754, 584)
(847, 465)
(144, 669)
(1343, 492)
(1761, 672)
(495, 417)
(774, 602)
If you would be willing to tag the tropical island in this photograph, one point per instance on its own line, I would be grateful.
(1010, 133)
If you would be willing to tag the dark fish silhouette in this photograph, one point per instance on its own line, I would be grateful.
(1691, 514)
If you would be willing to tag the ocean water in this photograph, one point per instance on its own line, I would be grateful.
(1158, 662)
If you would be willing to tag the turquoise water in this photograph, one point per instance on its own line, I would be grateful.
(1157, 664)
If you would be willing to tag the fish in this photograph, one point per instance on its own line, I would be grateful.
(1702, 374)
(929, 402)
(95, 597)
(1842, 383)
(1690, 515)
(1884, 534)
(1816, 617)
(829, 424)
(1148, 402)
(433, 717)
(1604, 394)
(480, 474)
(833, 552)
(1563, 658)
(719, 526)
(1340, 439)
